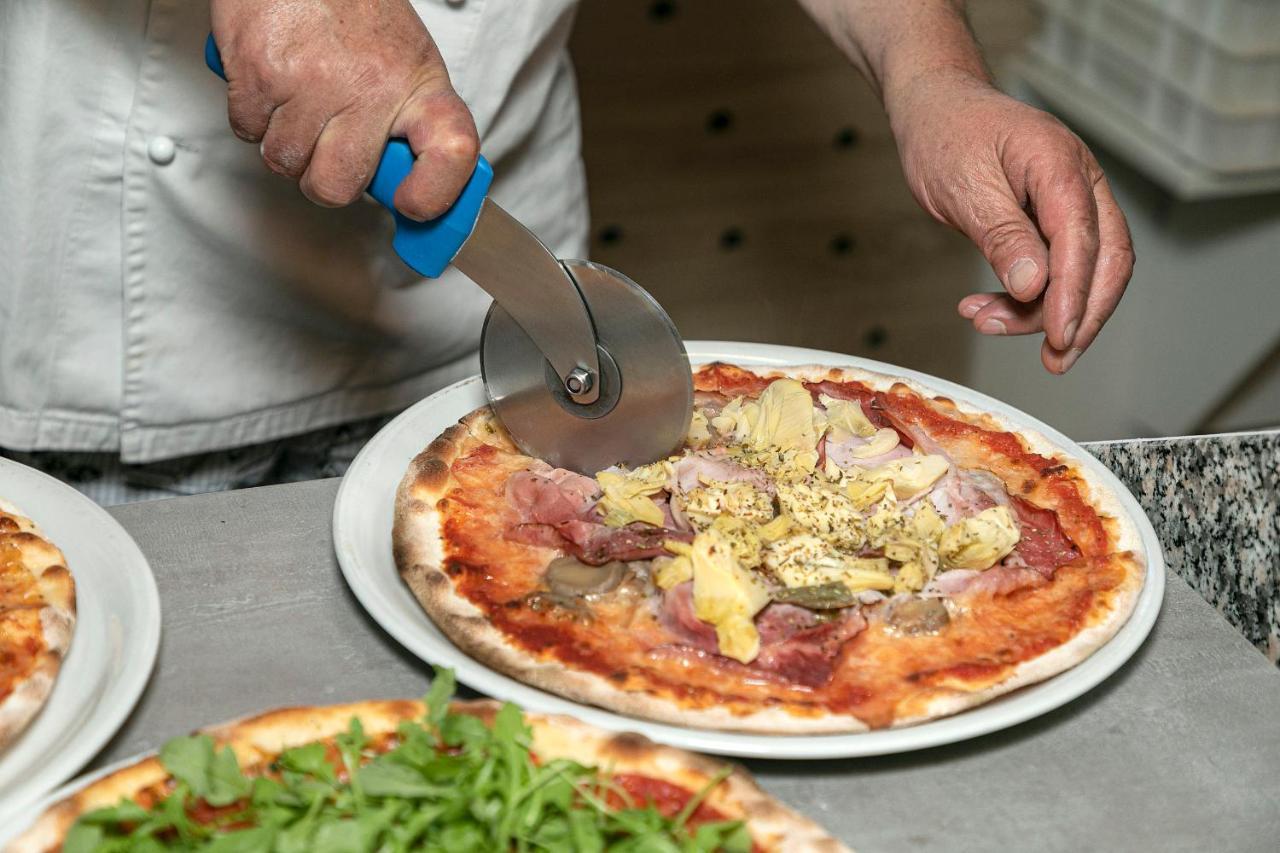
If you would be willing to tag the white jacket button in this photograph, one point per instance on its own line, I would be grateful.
(161, 150)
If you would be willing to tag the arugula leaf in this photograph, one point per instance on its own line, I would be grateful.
(259, 840)
(312, 758)
(83, 837)
(443, 686)
(382, 778)
(215, 777)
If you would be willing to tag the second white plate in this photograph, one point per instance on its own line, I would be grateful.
(362, 538)
(113, 649)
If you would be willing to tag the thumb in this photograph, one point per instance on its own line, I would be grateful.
(1011, 244)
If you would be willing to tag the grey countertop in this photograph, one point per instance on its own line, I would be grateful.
(1178, 750)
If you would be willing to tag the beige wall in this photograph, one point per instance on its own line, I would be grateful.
(743, 172)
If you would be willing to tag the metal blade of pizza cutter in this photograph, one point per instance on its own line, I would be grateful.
(582, 366)
(645, 386)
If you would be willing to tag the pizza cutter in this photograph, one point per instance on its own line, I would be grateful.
(580, 363)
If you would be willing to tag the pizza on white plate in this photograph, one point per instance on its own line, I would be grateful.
(37, 617)
(832, 550)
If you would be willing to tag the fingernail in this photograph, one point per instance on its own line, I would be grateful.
(1069, 335)
(970, 311)
(1069, 360)
(992, 326)
(1022, 275)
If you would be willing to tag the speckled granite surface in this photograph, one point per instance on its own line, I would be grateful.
(1215, 504)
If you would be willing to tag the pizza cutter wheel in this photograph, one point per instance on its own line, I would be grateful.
(645, 388)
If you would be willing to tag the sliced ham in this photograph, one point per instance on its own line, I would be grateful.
(676, 614)
(965, 492)
(796, 645)
(692, 470)
(1043, 545)
(999, 580)
(842, 452)
(551, 496)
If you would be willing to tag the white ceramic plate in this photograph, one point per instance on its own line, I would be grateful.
(114, 646)
(362, 523)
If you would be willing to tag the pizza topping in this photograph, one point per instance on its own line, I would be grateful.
(597, 544)
(549, 495)
(699, 434)
(916, 617)
(806, 560)
(702, 505)
(700, 469)
(726, 595)
(846, 416)
(628, 495)
(1042, 544)
(981, 541)
(824, 596)
(567, 576)
(797, 646)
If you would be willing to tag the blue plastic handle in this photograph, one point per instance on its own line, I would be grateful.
(427, 247)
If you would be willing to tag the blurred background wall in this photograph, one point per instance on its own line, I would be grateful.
(743, 172)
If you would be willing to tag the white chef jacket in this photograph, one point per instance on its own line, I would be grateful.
(162, 293)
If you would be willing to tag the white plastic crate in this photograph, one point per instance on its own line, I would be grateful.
(1218, 110)
(1245, 27)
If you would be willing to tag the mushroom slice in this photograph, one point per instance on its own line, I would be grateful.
(916, 617)
(566, 576)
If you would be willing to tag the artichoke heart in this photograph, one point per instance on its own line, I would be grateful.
(846, 415)
(727, 596)
(881, 443)
(699, 434)
(713, 499)
(806, 560)
(742, 536)
(981, 541)
(785, 419)
(823, 510)
(671, 571)
(626, 495)
(910, 475)
(736, 419)
(926, 524)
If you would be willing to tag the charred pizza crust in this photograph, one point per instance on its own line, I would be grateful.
(258, 740)
(1031, 466)
(37, 616)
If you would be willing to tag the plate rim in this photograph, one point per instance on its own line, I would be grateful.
(1002, 712)
(121, 695)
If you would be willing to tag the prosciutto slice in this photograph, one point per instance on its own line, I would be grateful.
(596, 544)
(965, 492)
(1043, 545)
(796, 645)
(549, 495)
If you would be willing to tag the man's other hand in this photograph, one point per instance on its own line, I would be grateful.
(1031, 196)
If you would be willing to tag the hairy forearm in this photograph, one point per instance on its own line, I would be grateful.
(897, 43)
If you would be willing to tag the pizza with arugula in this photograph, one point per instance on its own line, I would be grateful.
(434, 776)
